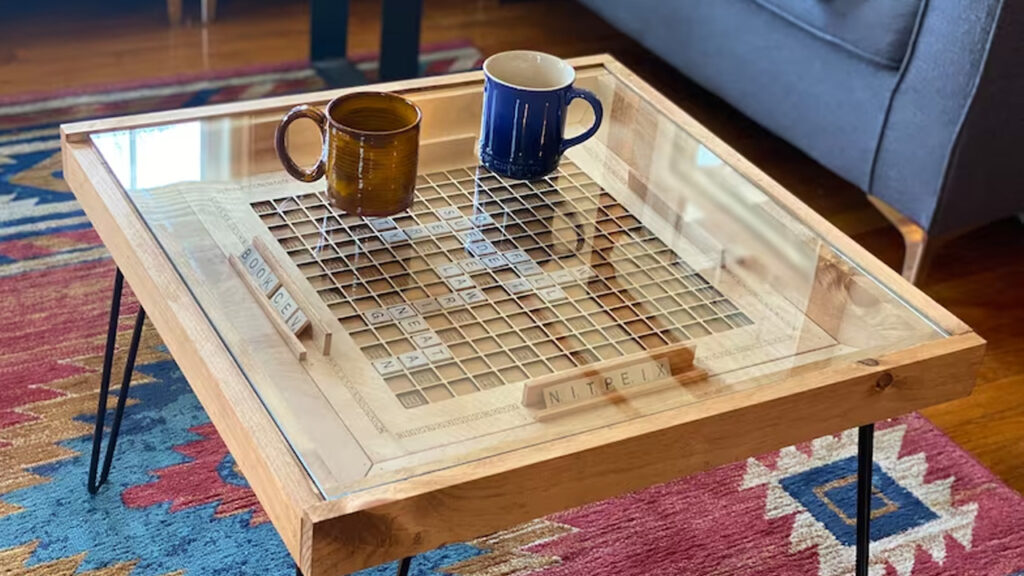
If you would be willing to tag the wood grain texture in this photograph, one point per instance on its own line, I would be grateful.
(293, 343)
(279, 480)
(321, 333)
(396, 520)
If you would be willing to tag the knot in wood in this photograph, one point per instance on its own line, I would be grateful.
(868, 362)
(884, 381)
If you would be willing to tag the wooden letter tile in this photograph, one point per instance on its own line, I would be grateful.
(412, 325)
(471, 265)
(387, 366)
(377, 316)
(413, 359)
(449, 301)
(426, 340)
(382, 223)
(283, 302)
(427, 305)
(298, 322)
(416, 232)
(438, 228)
(449, 213)
(401, 311)
(494, 261)
(447, 270)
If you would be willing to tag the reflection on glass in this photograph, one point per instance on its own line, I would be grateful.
(644, 243)
(156, 156)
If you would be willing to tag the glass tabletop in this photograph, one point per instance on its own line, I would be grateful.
(644, 275)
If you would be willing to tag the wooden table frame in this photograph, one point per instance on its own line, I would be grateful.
(327, 537)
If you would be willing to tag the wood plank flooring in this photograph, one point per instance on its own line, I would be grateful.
(978, 276)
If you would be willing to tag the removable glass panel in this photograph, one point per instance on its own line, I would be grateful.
(644, 275)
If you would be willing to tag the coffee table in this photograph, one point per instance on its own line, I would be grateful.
(504, 350)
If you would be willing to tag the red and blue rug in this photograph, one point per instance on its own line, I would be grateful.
(176, 504)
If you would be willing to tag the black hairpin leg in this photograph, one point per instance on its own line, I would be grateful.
(865, 449)
(122, 396)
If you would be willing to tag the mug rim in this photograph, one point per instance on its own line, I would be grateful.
(490, 76)
(390, 95)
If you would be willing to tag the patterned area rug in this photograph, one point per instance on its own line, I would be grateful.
(176, 503)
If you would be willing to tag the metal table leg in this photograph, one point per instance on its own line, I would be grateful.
(865, 449)
(400, 39)
(101, 408)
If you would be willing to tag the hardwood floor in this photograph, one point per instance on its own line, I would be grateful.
(977, 276)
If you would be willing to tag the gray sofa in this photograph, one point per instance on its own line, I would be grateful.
(920, 103)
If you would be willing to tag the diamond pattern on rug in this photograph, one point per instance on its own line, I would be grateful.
(820, 490)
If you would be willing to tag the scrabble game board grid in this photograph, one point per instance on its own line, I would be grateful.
(641, 296)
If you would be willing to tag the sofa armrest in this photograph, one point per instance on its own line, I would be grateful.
(948, 156)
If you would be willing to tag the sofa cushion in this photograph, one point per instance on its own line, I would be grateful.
(879, 30)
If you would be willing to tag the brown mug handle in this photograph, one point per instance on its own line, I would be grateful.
(299, 173)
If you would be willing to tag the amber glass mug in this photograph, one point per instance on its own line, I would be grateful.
(370, 151)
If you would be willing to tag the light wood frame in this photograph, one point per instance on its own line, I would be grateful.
(403, 518)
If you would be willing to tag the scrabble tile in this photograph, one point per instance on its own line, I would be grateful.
(541, 281)
(517, 256)
(247, 253)
(449, 301)
(563, 277)
(448, 213)
(401, 311)
(259, 271)
(387, 366)
(449, 270)
(426, 305)
(284, 304)
(528, 269)
(417, 232)
(517, 286)
(460, 224)
(553, 294)
(381, 223)
(394, 237)
(460, 282)
(472, 296)
(494, 261)
(437, 353)
(425, 339)
(413, 325)
(298, 322)
(584, 273)
(413, 359)
(481, 220)
(471, 236)
(471, 265)
(438, 228)
(480, 248)
(377, 316)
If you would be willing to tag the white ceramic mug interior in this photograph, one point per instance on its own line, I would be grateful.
(529, 70)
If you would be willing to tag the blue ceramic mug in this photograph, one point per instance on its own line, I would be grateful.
(526, 95)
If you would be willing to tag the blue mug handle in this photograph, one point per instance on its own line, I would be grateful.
(598, 114)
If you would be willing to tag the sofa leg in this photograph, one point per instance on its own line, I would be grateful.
(174, 10)
(209, 10)
(918, 250)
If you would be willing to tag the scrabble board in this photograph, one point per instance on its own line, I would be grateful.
(486, 282)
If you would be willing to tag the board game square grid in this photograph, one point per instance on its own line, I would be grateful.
(475, 289)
